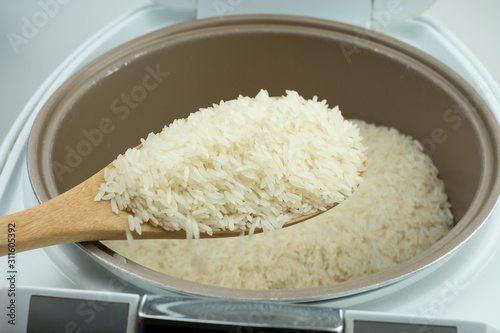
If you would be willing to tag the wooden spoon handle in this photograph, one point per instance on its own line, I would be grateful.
(73, 216)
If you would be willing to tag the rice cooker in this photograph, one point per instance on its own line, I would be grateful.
(97, 104)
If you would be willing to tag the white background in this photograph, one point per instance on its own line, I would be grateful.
(476, 23)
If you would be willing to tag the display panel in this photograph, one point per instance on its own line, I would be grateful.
(56, 314)
(362, 326)
(158, 326)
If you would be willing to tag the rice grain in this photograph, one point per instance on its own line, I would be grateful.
(251, 160)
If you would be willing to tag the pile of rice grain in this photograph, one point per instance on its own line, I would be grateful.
(400, 210)
(242, 164)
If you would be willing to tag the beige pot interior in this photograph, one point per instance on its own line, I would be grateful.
(141, 86)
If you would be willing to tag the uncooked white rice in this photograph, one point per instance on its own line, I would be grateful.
(400, 210)
(245, 163)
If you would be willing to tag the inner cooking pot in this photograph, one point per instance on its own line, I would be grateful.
(137, 88)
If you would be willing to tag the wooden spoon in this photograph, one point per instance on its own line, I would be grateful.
(74, 216)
